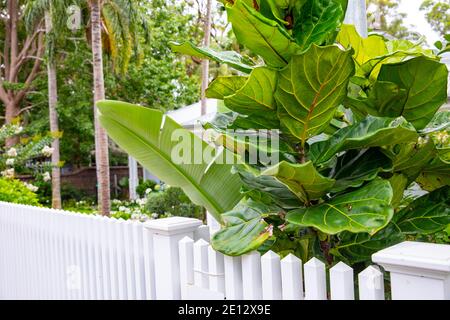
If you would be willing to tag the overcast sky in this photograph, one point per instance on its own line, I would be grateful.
(417, 18)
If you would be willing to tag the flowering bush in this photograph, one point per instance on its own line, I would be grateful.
(15, 191)
(18, 156)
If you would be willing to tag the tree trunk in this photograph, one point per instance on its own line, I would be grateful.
(54, 127)
(205, 62)
(101, 138)
(11, 112)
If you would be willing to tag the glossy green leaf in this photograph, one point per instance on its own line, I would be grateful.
(317, 21)
(267, 189)
(231, 58)
(355, 248)
(425, 81)
(399, 182)
(147, 135)
(225, 86)
(427, 214)
(384, 99)
(311, 88)
(372, 132)
(257, 94)
(435, 175)
(262, 36)
(356, 167)
(364, 210)
(365, 49)
(244, 228)
(302, 179)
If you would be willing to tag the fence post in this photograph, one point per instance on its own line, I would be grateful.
(166, 235)
(419, 271)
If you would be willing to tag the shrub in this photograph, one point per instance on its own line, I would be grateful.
(144, 186)
(16, 191)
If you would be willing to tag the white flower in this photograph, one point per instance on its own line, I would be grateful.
(8, 173)
(155, 216)
(116, 201)
(135, 216)
(18, 130)
(31, 187)
(443, 137)
(122, 209)
(47, 151)
(46, 177)
(141, 202)
(12, 152)
(10, 162)
(148, 191)
(143, 218)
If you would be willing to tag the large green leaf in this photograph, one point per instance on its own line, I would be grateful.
(372, 132)
(223, 87)
(266, 189)
(317, 21)
(364, 48)
(384, 99)
(356, 167)
(364, 210)
(244, 228)
(149, 137)
(311, 88)
(261, 35)
(435, 175)
(256, 96)
(359, 247)
(425, 81)
(302, 179)
(426, 215)
(399, 183)
(232, 58)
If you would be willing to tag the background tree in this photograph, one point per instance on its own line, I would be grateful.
(21, 59)
(383, 15)
(437, 15)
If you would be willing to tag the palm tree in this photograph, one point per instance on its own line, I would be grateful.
(205, 62)
(53, 12)
(118, 21)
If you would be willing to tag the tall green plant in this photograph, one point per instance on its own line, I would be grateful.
(359, 125)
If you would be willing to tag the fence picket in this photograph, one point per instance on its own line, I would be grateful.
(341, 282)
(251, 276)
(201, 278)
(216, 271)
(233, 278)
(315, 280)
(292, 278)
(371, 284)
(186, 256)
(271, 276)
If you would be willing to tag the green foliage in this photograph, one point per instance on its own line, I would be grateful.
(143, 186)
(172, 202)
(16, 191)
(358, 125)
(437, 15)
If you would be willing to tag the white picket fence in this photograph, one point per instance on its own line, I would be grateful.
(51, 254)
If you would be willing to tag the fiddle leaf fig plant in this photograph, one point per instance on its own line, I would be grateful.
(358, 128)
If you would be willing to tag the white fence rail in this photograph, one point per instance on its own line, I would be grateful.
(51, 254)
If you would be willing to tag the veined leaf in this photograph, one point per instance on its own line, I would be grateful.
(364, 48)
(435, 175)
(426, 83)
(399, 182)
(318, 19)
(244, 228)
(262, 36)
(267, 189)
(311, 88)
(372, 132)
(302, 179)
(440, 122)
(356, 167)
(147, 135)
(256, 96)
(364, 210)
(232, 58)
(384, 99)
(223, 87)
(359, 247)
(427, 214)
